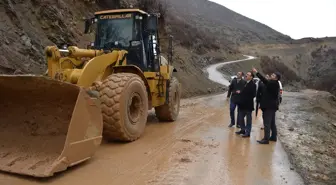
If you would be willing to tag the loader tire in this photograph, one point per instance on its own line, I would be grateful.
(124, 103)
(170, 110)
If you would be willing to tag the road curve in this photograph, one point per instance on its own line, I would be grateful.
(216, 76)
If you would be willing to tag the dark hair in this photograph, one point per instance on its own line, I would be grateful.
(252, 74)
(278, 75)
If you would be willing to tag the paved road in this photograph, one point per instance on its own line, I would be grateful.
(198, 149)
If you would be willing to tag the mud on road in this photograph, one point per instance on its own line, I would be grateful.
(198, 148)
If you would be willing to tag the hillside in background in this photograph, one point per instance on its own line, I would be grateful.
(204, 32)
(225, 26)
(306, 63)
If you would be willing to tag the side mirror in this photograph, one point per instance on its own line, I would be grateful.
(90, 46)
(88, 24)
(152, 22)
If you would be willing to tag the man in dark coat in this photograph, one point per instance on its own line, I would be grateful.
(237, 84)
(259, 94)
(269, 103)
(246, 105)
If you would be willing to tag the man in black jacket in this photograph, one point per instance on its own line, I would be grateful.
(259, 92)
(246, 105)
(237, 84)
(269, 103)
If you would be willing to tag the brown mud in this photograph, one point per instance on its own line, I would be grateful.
(198, 148)
(34, 119)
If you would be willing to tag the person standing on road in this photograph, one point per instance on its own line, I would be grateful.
(259, 95)
(246, 105)
(269, 103)
(237, 84)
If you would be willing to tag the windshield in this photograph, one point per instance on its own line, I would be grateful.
(114, 33)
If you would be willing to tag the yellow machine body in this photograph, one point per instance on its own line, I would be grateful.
(98, 65)
(49, 123)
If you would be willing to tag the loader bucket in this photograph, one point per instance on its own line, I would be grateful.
(46, 125)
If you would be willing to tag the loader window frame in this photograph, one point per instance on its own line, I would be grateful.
(114, 32)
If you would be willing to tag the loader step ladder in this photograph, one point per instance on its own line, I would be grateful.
(160, 85)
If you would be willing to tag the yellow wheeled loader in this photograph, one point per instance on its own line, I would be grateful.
(49, 123)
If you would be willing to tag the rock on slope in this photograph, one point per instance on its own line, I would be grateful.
(201, 34)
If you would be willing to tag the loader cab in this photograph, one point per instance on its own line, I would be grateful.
(132, 30)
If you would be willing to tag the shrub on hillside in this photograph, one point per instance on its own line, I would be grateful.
(271, 65)
(322, 69)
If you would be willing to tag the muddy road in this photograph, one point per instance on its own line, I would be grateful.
(197, 149)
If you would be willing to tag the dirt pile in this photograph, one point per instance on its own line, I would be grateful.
(322, 69)
(307, 128)
(269, 65)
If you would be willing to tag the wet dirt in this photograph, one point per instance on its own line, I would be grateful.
(201, 150)
(34, 120)
(307, 127)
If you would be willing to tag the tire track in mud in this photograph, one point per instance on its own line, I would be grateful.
(184, 165)
(165, 143)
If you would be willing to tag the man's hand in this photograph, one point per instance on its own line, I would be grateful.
(254, 70)
(238, 91)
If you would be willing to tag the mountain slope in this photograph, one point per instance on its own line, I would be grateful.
(223, 23)
(204, 33)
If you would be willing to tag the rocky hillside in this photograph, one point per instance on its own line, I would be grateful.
(204, 32)
(28, 26)
(225, 26)
(306, 63)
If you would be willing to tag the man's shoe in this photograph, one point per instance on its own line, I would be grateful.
(240, 132)
(238, 126)
(273, 139)
(246, 135)
(231, 125)
(263, 141)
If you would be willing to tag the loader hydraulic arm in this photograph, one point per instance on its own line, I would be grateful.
(61, 60)
(82, 66)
